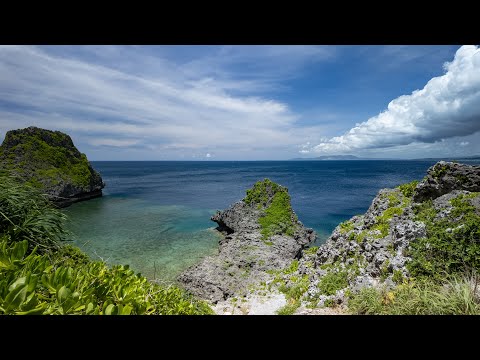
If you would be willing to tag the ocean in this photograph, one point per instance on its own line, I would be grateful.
(155, 216)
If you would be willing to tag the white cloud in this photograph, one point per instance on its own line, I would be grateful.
(448, 106)
(208, 155)
(464, 143)
(110, 106)
(112, 142)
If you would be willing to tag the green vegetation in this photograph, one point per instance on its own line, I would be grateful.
(278, 217)
(438, 171)
(288, 309)
(333, 281)
(346, 226)
(456, 295)
(40, 275)
(408, 189)
(45, 158)
(26, 214)
(311, 250)
(383, 221)
(452, 243)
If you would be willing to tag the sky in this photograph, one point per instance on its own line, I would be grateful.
(247, 102)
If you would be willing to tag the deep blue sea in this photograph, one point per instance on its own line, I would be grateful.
(155, 216)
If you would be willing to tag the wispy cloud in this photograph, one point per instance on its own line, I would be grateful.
(447, 107)
(111, 106)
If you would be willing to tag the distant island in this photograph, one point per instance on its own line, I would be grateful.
(332, 157)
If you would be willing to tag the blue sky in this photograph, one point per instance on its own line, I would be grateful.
(247, 102)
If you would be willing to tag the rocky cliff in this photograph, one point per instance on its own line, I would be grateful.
(262, 234)
(49, 160)
(425, 229)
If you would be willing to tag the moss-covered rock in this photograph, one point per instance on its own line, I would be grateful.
(50, 161)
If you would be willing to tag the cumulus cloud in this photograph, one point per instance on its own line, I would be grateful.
(208, 155)
(448, 106)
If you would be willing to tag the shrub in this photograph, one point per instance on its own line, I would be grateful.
(450, 245)
(333, 281)
(408, 189)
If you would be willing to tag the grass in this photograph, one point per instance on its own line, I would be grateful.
(333, 281)
(26, 214)
(311, 251)
(456, 295)
(346, 226)
(289, 308)
(278, 217)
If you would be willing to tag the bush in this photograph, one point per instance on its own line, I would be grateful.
(452, 244)
(333, 281)
(408, 189)
(36, 284)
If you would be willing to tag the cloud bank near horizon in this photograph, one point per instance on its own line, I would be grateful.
(448, 107)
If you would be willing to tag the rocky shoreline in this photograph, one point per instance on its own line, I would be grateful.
(279, 274)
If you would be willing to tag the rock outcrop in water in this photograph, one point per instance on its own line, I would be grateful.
(376, 248)
(49, 160)
(262, 233)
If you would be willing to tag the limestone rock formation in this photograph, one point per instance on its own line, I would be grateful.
(262, 233)
(50, 161)
(374, 248)
(444, 177)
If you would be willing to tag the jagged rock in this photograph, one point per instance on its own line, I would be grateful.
(49, 160)
(444, 177)
(245, 255)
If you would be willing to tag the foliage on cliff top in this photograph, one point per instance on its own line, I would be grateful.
(452, 243)
(274, 200)
(61, 279)
(45, 158)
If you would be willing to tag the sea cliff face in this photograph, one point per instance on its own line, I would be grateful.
(50, 161)
(262, 233)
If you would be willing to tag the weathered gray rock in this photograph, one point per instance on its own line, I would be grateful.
(244, 255)
(444, 177)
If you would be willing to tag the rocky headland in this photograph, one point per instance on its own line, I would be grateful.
(50, 161)
(262, 234)
(426, 229)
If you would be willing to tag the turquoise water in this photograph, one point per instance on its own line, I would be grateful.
(155, 216)
(160, 241)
